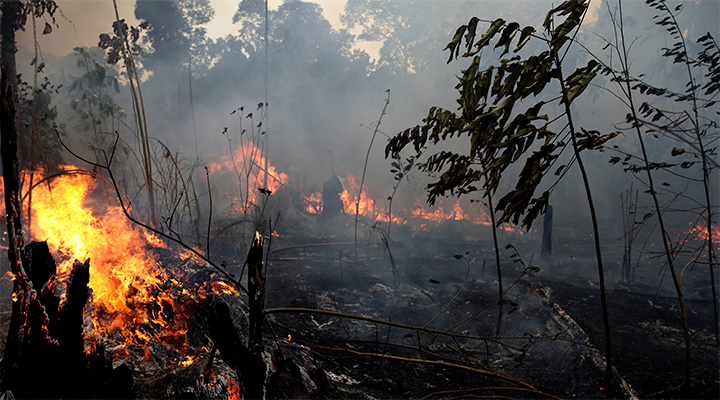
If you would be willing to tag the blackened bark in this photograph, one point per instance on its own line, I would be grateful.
(546, 252)
(227, 331)
(256, 290)
(49, 358)
(71, 317)
(8, 150)
(11, 11)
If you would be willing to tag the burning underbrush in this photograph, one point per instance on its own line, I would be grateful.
(136, 296)
(412, 315)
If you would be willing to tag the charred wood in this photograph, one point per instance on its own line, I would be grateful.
(50, 358)
(256, 292)
(332, 204)
(227, 328)
(546, 252)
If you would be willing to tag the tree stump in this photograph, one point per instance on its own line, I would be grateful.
(48, 351)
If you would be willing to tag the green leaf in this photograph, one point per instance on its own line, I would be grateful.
(454, 45)
(470, 36)
(575, 9)
(589, 140)
(485, 38)
(507, 36)
(525, 36)
(579, 80)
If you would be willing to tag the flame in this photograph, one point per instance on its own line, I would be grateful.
(222, 287)
(188, 361)
(233, 389)
(134, 300)
(366, 206)
(701, 232)
(439, 213)
(314, 203)
(289, 338)
(445, 209)
(247, 166)
(124, 271)
(148, 357)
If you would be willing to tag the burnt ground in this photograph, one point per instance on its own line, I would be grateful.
(646, 327)
(647, 335)
(550, 338)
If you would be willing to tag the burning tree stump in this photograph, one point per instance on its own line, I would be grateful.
(332, 203)
(256, 292)
(48, 358)
(243, 352)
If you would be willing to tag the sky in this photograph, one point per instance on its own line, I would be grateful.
(76, 29)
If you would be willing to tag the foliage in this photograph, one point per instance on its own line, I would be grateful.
(492, 114)
(46, 142)
(176, 31)
(91, 94)
(114, 44)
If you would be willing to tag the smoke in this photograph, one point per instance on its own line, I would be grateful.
(326, 94)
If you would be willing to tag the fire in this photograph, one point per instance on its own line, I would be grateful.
(188, 361)
(125, 271)
(289, 338)
(313, 203)
(445, 209)
(222, 287)
(366, 206)
(439, 214)
(700, 232)
(247, 166)
(233, 389)
(134, 299)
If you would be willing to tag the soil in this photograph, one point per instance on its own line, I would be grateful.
(550, 341)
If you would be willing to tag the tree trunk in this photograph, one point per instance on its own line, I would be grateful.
(8, 150)
(546, 251)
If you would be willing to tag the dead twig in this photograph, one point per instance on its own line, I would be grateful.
(441, 364)
(452, 300)
(108, 167)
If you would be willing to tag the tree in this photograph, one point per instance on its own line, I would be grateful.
(91, 94)
(14, 17)
(685, 127)
(501, 131)
(403, 27)
(176, 32)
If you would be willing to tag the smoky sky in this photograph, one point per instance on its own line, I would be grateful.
(327, 88)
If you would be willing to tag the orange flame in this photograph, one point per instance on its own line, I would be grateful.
(233, 389)
(700, 232)
(130, 290)
(366, 206)
(247, 166)
(445, 209)
(314, 203)
(188, 361)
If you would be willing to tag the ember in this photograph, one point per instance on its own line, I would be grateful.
(133, 297)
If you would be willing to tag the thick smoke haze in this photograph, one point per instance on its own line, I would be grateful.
(330, 66)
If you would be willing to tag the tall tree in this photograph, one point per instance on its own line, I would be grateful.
(177, 30)
(14, 17)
